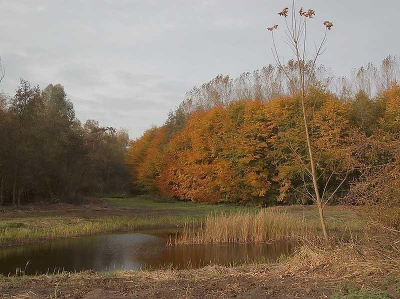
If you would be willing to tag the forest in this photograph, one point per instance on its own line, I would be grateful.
(48, 155)
(242, 140)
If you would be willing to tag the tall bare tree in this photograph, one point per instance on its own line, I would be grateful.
(296, 23)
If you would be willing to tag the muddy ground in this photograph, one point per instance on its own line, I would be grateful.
(249, 281)
(209, 282)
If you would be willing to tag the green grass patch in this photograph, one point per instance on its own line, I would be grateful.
(363, 294)
(150, 202)
(390, 288)
(10, 225)
(45, 228)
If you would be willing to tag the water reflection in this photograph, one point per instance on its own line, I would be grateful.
(131, 252)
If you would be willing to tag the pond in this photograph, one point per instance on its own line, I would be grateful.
(133, 251)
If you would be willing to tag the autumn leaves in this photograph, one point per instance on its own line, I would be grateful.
(246, 151)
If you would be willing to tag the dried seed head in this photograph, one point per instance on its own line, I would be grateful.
(309, 14)
(328, 25)
(284, 12)
(301, 12)
(272, 28)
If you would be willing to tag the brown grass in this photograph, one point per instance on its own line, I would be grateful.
(265, 226)
(375, 256)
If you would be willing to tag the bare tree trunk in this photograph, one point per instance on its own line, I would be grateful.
(2, 187)
(68, 180)
(314, 173)
(19, 196)
(318, 199)
(14, 194)
(79, 184)
(107, 180)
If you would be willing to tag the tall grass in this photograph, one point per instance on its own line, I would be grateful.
(264, 226)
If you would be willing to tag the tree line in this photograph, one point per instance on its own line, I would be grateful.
(46, 153)
(242, 140)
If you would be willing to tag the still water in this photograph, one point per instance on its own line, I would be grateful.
(132, 251)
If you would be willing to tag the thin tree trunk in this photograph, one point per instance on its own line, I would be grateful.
(19, 196)
(302, 74)
(107, 180)
(79, 184)
(14, 195)
(297, 39)
(2, 185)
(314, 173)
(68, 180)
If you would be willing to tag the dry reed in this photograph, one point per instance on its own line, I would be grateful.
(265, 226)
(376, 256)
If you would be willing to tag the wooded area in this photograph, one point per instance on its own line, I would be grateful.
(242, 140)
(47, 154)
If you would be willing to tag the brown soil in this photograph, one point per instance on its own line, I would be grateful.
(209, 282)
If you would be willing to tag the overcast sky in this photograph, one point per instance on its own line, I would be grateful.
(127, 63)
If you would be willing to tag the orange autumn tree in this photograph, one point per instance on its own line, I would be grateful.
(152, 161)
(190, 165)
(332, 133)
(246, 151)
(221, 155)
(378, 158)
(390, 109)
(145, 156)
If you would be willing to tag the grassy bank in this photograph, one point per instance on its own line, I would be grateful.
(30, 230)
(44, 222)
(39, 223)
(347, 270)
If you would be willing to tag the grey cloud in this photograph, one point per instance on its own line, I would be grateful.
(129, 78)
(127, 63)
(128, 104)
(81, 75)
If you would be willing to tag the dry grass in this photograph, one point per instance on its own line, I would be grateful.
(385, 216)
(265, 226)
(372, 256)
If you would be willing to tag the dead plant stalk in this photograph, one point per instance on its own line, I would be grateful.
(296, 32)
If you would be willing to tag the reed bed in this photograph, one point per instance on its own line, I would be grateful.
(265, 226)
